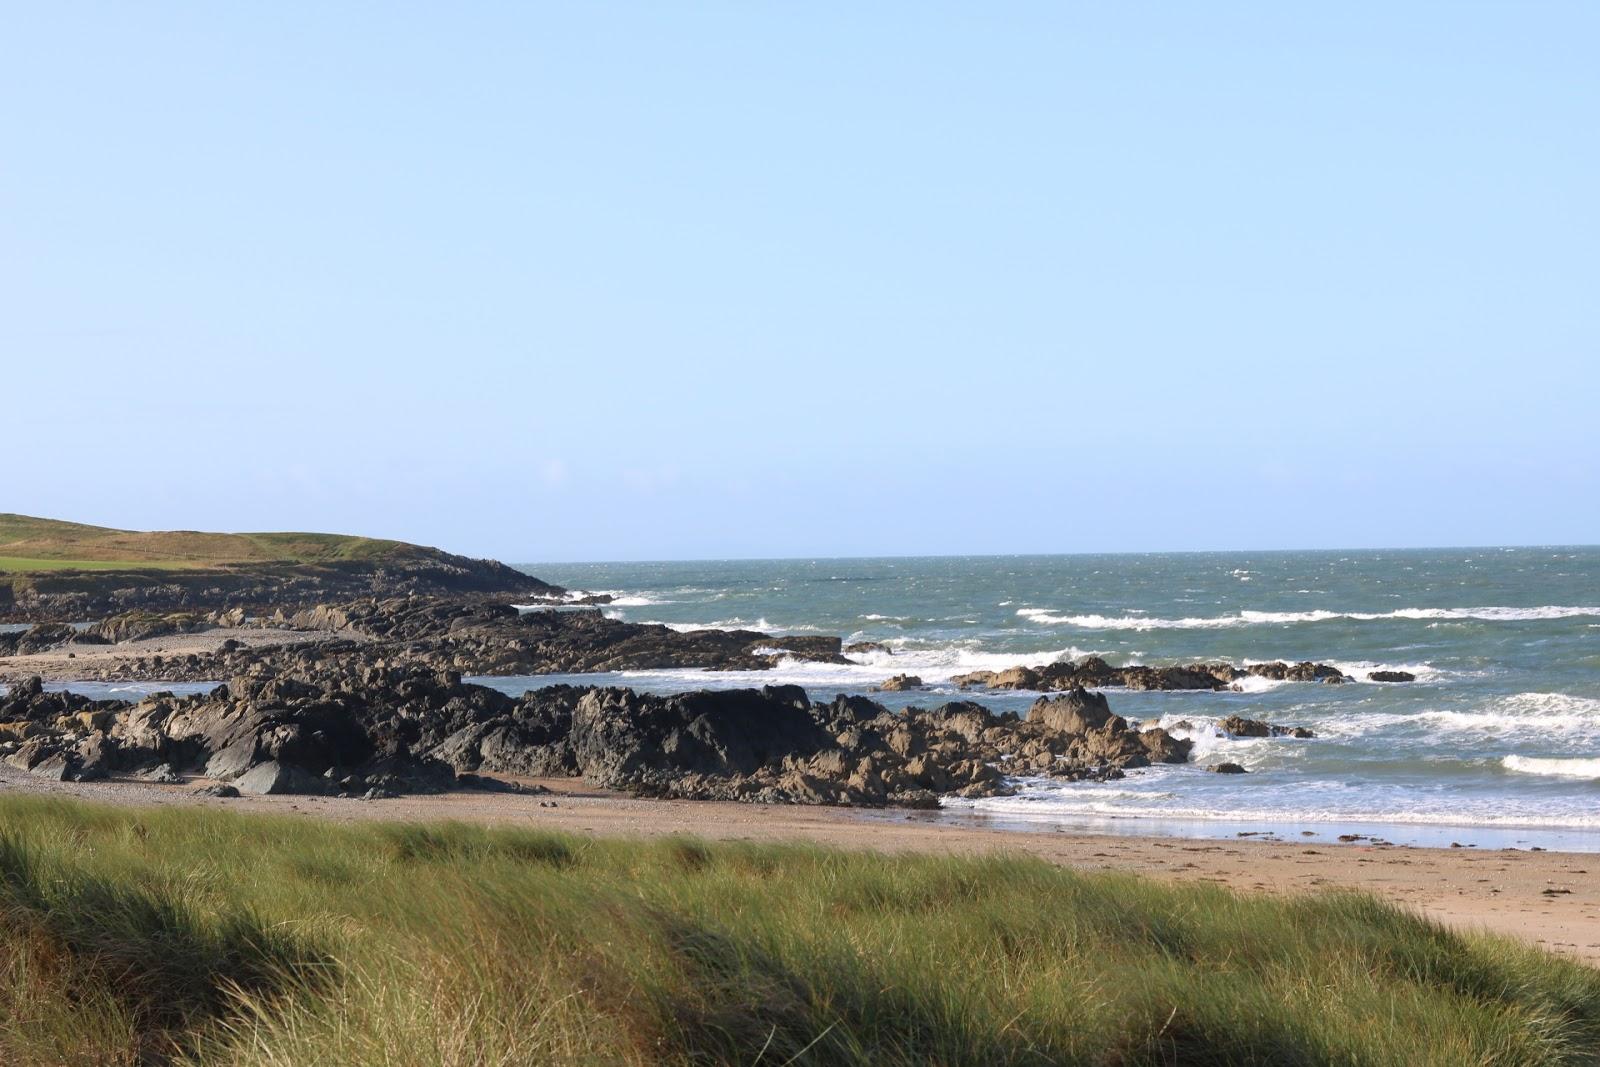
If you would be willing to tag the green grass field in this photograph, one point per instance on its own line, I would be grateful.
(15, 563)
(183, 936)
(33, 544)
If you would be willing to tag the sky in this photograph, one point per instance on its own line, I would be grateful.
(694, 280)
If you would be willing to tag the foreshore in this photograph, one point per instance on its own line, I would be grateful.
(1548, 898)
(310, 698)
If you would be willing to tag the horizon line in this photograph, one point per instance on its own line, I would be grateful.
(1047, 555)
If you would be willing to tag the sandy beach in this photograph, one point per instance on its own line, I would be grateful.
(1549, 898)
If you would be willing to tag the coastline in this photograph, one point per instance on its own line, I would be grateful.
(1547, 898)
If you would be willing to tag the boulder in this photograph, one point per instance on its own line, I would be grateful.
(140, 625)
(900, 683)
(1077, 712)
(272, 777)
(619, 737)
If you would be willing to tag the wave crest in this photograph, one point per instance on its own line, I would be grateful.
(1049, 617)
(1559, 768)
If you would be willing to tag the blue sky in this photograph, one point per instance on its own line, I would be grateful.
(611, 281)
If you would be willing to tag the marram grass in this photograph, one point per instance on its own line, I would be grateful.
(186, 936)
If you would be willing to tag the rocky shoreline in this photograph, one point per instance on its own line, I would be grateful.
(74, 595)
(365, 697)
(339, 729)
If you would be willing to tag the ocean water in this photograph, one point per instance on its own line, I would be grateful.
(1496, 743)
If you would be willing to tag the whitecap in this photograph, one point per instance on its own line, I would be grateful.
(1560, 768)
(1263, 618)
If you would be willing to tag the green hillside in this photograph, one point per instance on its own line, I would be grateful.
(33, 544)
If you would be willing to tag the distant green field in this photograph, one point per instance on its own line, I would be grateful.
(132, 936)
(33, 544)
(17, 563)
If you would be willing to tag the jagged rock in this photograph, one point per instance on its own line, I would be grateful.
(1391, 676)
(138, 625)
(1296, 672)
(1226, 768)
(1077, 712)
(53, 767)
(94, 757)
(1095, 673)
(1242, 727)
(343, 717)
(862, 648)
(44, 636)
(273, 777)
(900, 683)
(622, 738)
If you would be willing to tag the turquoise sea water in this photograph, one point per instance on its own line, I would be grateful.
(1497, 742)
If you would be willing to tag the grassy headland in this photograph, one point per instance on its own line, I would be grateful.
(54, 571)
(154, 936)
(28, 543)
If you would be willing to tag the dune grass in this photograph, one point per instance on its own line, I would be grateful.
(187, 936)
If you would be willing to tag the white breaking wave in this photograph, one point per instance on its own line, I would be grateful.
(1559, 768)
(1357, 670)
(935, 666)
(619, 599)
(1086, 803)
(735, 623)
(1545, 716)
(1263, 618)
(1253, 684)
(1156, 793)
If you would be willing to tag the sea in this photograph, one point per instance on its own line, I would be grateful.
(1496, 743)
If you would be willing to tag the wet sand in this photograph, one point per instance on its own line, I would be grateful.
(1548, 898)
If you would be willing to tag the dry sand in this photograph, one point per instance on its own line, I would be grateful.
(1549, 898)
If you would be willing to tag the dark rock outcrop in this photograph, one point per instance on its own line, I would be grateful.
(900, 683)
(65, 595)
(138, 625)
(1391, 676)
(1095, 673)
(1237, 726)
(41, 637)
(346, 726)
(481, 637)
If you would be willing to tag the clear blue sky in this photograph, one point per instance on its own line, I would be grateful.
(657, 280)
